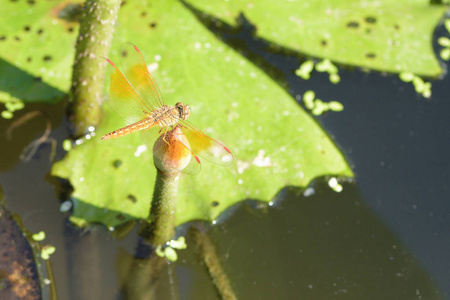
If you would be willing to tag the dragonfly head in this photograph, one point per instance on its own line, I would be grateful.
(183, 110)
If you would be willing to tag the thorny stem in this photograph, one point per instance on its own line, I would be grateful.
(162, 226)
(94, 40)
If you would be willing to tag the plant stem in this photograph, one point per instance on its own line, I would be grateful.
(212, 261)
(162, 226)
(140, 277)
(94, 40)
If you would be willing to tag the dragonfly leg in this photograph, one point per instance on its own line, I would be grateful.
(164, 137)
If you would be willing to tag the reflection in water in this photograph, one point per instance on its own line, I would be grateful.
(324, 246)
(141, 276)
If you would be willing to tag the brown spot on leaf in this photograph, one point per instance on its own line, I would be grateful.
(69, 12)
(117, 163)
(371, 20)
(132, 198)
(352, 24)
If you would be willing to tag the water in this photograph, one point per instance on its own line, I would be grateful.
(384, 237)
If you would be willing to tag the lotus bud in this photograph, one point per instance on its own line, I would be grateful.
(170, 151)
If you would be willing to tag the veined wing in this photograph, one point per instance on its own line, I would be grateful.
(206, 147)
(136, 72)
(123, 98)
(193, 168)
(150, 136)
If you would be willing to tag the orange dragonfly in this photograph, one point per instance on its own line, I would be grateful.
(135, 97)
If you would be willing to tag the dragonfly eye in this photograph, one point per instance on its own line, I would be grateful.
(183, 110)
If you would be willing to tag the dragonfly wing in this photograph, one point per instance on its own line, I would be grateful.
(149, 136)
(136, 71)
(193, 168)
(206, 147)
(123, 98)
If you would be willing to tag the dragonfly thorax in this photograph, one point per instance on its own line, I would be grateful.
(183, 110)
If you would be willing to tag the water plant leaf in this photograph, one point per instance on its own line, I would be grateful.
(275, 143)
(37, 51)
(392, 36)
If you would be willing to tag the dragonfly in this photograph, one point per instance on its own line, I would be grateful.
(135, 96)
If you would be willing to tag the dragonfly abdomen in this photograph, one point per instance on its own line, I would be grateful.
(141, 125)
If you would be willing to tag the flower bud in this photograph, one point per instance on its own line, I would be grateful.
(170, 151)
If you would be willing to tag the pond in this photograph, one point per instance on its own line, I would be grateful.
(385, 236)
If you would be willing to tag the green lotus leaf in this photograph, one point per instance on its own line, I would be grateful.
(275, 143)
(392, 36)
(37, 51)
